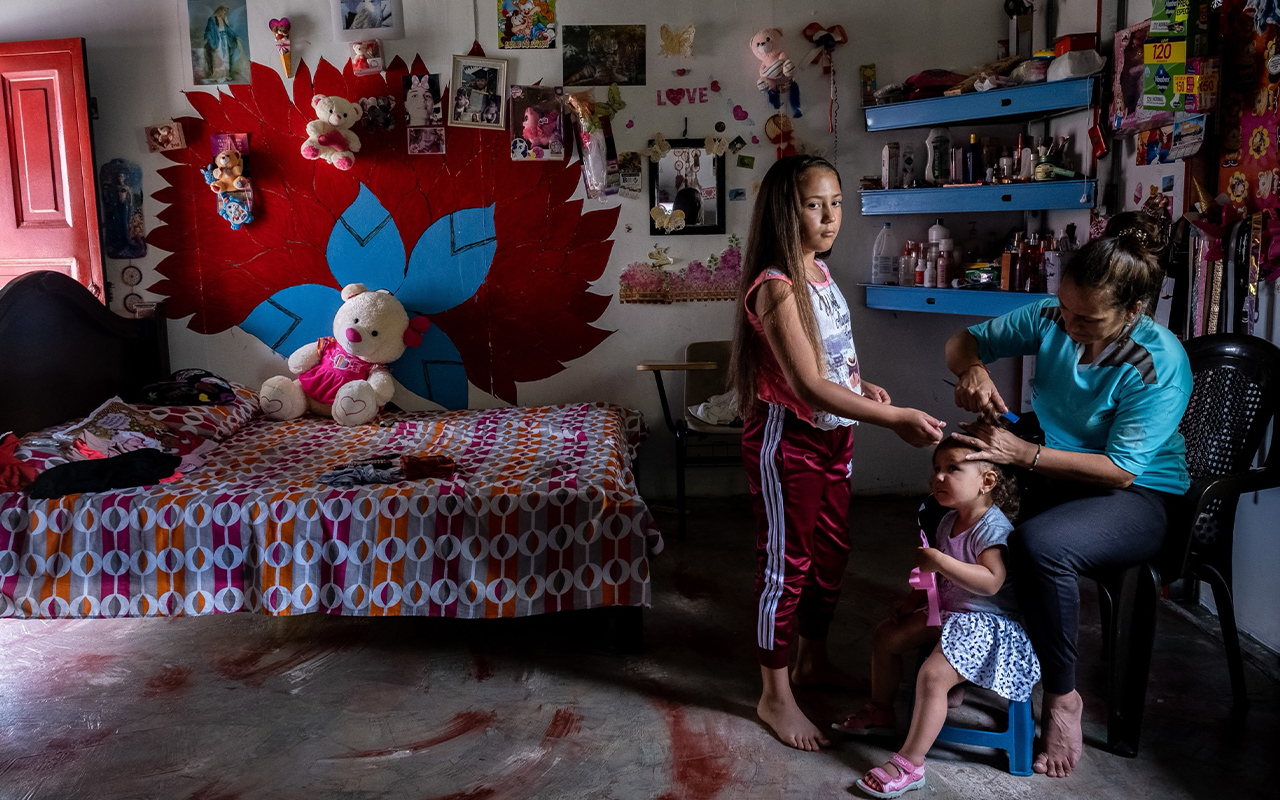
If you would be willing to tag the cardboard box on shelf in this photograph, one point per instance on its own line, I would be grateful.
(1177, 84)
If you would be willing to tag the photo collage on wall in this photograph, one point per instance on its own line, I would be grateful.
(479, 92)
(426, 118)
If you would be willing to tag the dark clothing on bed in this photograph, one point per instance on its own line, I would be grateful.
(136, 468)
(389, 468)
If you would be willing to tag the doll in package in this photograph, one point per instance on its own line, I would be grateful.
(537, 123)
(599, 157)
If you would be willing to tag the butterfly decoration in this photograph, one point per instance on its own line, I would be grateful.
(668, 223)
(591, 111)
(658, 148)
(677, 43)
(613, 105)
(658, 257)
(715, 145)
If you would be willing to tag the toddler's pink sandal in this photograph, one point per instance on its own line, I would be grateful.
(870, 720)
(877, 782)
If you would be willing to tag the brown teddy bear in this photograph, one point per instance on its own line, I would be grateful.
(227, 173)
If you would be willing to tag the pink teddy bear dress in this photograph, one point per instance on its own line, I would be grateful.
(336, 369)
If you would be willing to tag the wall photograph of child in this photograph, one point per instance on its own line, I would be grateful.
(478, 93)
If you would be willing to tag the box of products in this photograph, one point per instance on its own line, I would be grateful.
(1179, 18)
(1180, 85)
(1075, 41)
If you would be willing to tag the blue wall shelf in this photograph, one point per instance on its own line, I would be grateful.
(1034, 196)
(1040, 99)
(973, 302)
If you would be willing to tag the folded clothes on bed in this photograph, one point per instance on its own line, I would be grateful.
(389, 468)
(136, 468)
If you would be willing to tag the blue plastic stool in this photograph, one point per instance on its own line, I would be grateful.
(1015, 740)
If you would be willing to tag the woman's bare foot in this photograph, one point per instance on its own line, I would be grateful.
(790, 724)
(1063, 738)
(813, 668)
(778, 709)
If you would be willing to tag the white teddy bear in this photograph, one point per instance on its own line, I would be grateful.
(329, 136)
(345, 376)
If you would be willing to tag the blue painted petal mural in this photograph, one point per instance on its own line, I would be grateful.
(293, 317)
(434, 370)
(450, 261)
(365, 245)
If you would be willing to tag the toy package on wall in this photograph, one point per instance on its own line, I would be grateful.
(228, 177)
(366, 57)
(526, 24)
(599, 157)
(537, 123)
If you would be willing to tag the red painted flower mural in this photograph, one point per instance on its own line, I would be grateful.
(525, 312)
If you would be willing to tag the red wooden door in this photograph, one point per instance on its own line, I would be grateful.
(48, 209)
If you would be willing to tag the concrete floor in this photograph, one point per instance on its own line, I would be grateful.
(312, 707)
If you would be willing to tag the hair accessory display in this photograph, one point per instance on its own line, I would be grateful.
(825, 41)
(280, 27)
(677, 43)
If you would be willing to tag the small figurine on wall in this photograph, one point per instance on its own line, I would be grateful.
(776, 69)
(366, 57)
(329, 136)
(280, 28)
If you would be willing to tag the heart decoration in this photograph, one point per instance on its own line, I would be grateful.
(353, 405)
(715, 86)
(681, 72)
(755, 139)
(631, 123)
(674, 96)
(272, 405)
(740, 113)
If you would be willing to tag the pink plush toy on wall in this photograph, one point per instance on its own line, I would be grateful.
(541, 128)
(329, 135)
(775, 69)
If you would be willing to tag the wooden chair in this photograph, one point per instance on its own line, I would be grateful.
(698, 444)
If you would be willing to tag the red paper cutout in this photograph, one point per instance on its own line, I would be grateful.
(533, 312)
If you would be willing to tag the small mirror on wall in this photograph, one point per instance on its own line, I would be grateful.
(691, 180)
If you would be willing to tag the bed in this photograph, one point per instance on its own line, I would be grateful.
(542, 516)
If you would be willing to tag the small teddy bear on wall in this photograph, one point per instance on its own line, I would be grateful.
(226, 173)
(775, 69)
(345, 375)
(329, 136)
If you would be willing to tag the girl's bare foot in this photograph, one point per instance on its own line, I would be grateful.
(790, 724)
(1063, 738)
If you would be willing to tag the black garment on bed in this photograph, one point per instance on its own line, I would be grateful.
(136, 468)
(188, 387)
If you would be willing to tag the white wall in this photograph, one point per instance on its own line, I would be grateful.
(138, 69)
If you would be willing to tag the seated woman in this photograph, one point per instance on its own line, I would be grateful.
(1109, 390)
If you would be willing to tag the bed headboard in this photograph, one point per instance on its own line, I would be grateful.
(62, 353)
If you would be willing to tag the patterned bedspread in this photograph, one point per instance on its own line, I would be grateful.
(543, 516)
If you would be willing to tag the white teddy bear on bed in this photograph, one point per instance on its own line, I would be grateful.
(345, 376)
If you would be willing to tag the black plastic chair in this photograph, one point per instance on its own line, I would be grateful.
(698, 444)
(1236, 395)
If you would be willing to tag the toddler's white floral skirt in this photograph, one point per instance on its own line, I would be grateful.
(991, 651)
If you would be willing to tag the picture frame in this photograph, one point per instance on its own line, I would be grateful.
(478, 93)
(689, 166)
(215, 34)
(359, 20)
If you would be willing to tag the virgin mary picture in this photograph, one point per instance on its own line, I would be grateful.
(219, 41)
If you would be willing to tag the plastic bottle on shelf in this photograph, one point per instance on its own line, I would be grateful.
(938, 146)
(974, 169)
(931, 267)
(943, 277)
(1051, 271)
(938, 231)
(907, 265)
(882, 257)
(920, 259)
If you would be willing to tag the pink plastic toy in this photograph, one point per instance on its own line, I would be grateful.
(928, 581)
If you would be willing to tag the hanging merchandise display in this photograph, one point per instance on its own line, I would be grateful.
(329, 135)
(776, 70)
(124, 229)
(228, 176)
(677, 43)
(537, 123)
(825, 41)
(280, 29)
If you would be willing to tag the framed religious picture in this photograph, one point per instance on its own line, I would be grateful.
(218, 35)
(478, 93)
(360, 20)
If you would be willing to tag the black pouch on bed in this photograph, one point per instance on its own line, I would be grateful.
(135, 468)
(188, 387)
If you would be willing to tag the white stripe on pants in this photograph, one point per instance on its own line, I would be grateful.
(771, 492)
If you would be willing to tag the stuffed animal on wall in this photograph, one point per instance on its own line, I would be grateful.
(329, 136)
(541, 128)
(775, 69)
(345, 376)
(226, 173)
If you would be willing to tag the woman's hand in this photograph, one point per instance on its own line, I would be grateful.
(976, 392)
(877, 393)
(917, 428)
(995, 444)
